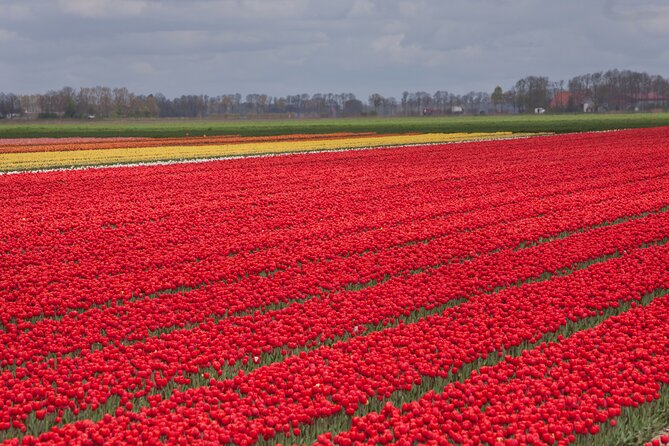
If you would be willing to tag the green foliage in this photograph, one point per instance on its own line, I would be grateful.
(563, 123)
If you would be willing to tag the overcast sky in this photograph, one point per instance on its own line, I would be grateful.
(284, 47)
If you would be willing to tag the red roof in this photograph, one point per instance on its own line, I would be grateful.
(561, 99)
(652, 96)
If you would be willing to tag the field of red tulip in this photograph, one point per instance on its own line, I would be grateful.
(502, 292)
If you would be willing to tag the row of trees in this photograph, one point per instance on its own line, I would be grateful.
(257, 104)
(602, 91)
(70, 103)
(613, 90)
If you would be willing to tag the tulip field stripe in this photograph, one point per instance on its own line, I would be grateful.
(191, 323)
(128, 293)
(631, 229)
(41, 426)
(258, 310)
(93, 346)
(600, 243)
(428, 319)
(561, 249)
(188, 285)
(423, 248)
(24, 342)
(283, 297)
(634, 227)
(634, 391)
(95, 157)
(24, 145)
(323, 427)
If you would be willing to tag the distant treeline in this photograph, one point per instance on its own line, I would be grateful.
(613, 90)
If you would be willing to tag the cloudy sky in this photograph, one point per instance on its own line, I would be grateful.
(284, 47)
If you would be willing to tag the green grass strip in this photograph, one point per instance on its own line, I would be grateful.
(562, 123)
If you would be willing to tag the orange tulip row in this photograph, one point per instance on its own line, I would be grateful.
(66, 144)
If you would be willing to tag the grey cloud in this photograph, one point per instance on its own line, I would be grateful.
(293, 46)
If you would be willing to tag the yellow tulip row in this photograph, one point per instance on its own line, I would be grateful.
(80, 158)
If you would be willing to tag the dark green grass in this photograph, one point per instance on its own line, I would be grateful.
(448, 124)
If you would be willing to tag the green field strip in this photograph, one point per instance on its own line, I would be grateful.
(205, 374)
(562, 123)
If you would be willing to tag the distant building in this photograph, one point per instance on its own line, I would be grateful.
(581, 101)
(560, 100)
(539, 111)
(647, 101)
(588, 105)
(568, 101)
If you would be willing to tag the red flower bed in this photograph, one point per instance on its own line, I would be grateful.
(236, 300)
(547, 396)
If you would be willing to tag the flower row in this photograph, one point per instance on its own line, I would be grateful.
(75, 249)
(331, 381)
(547, 396)
(280, 298)
(20, 145)
(132, 320)
(86, 381)
(93, 157)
